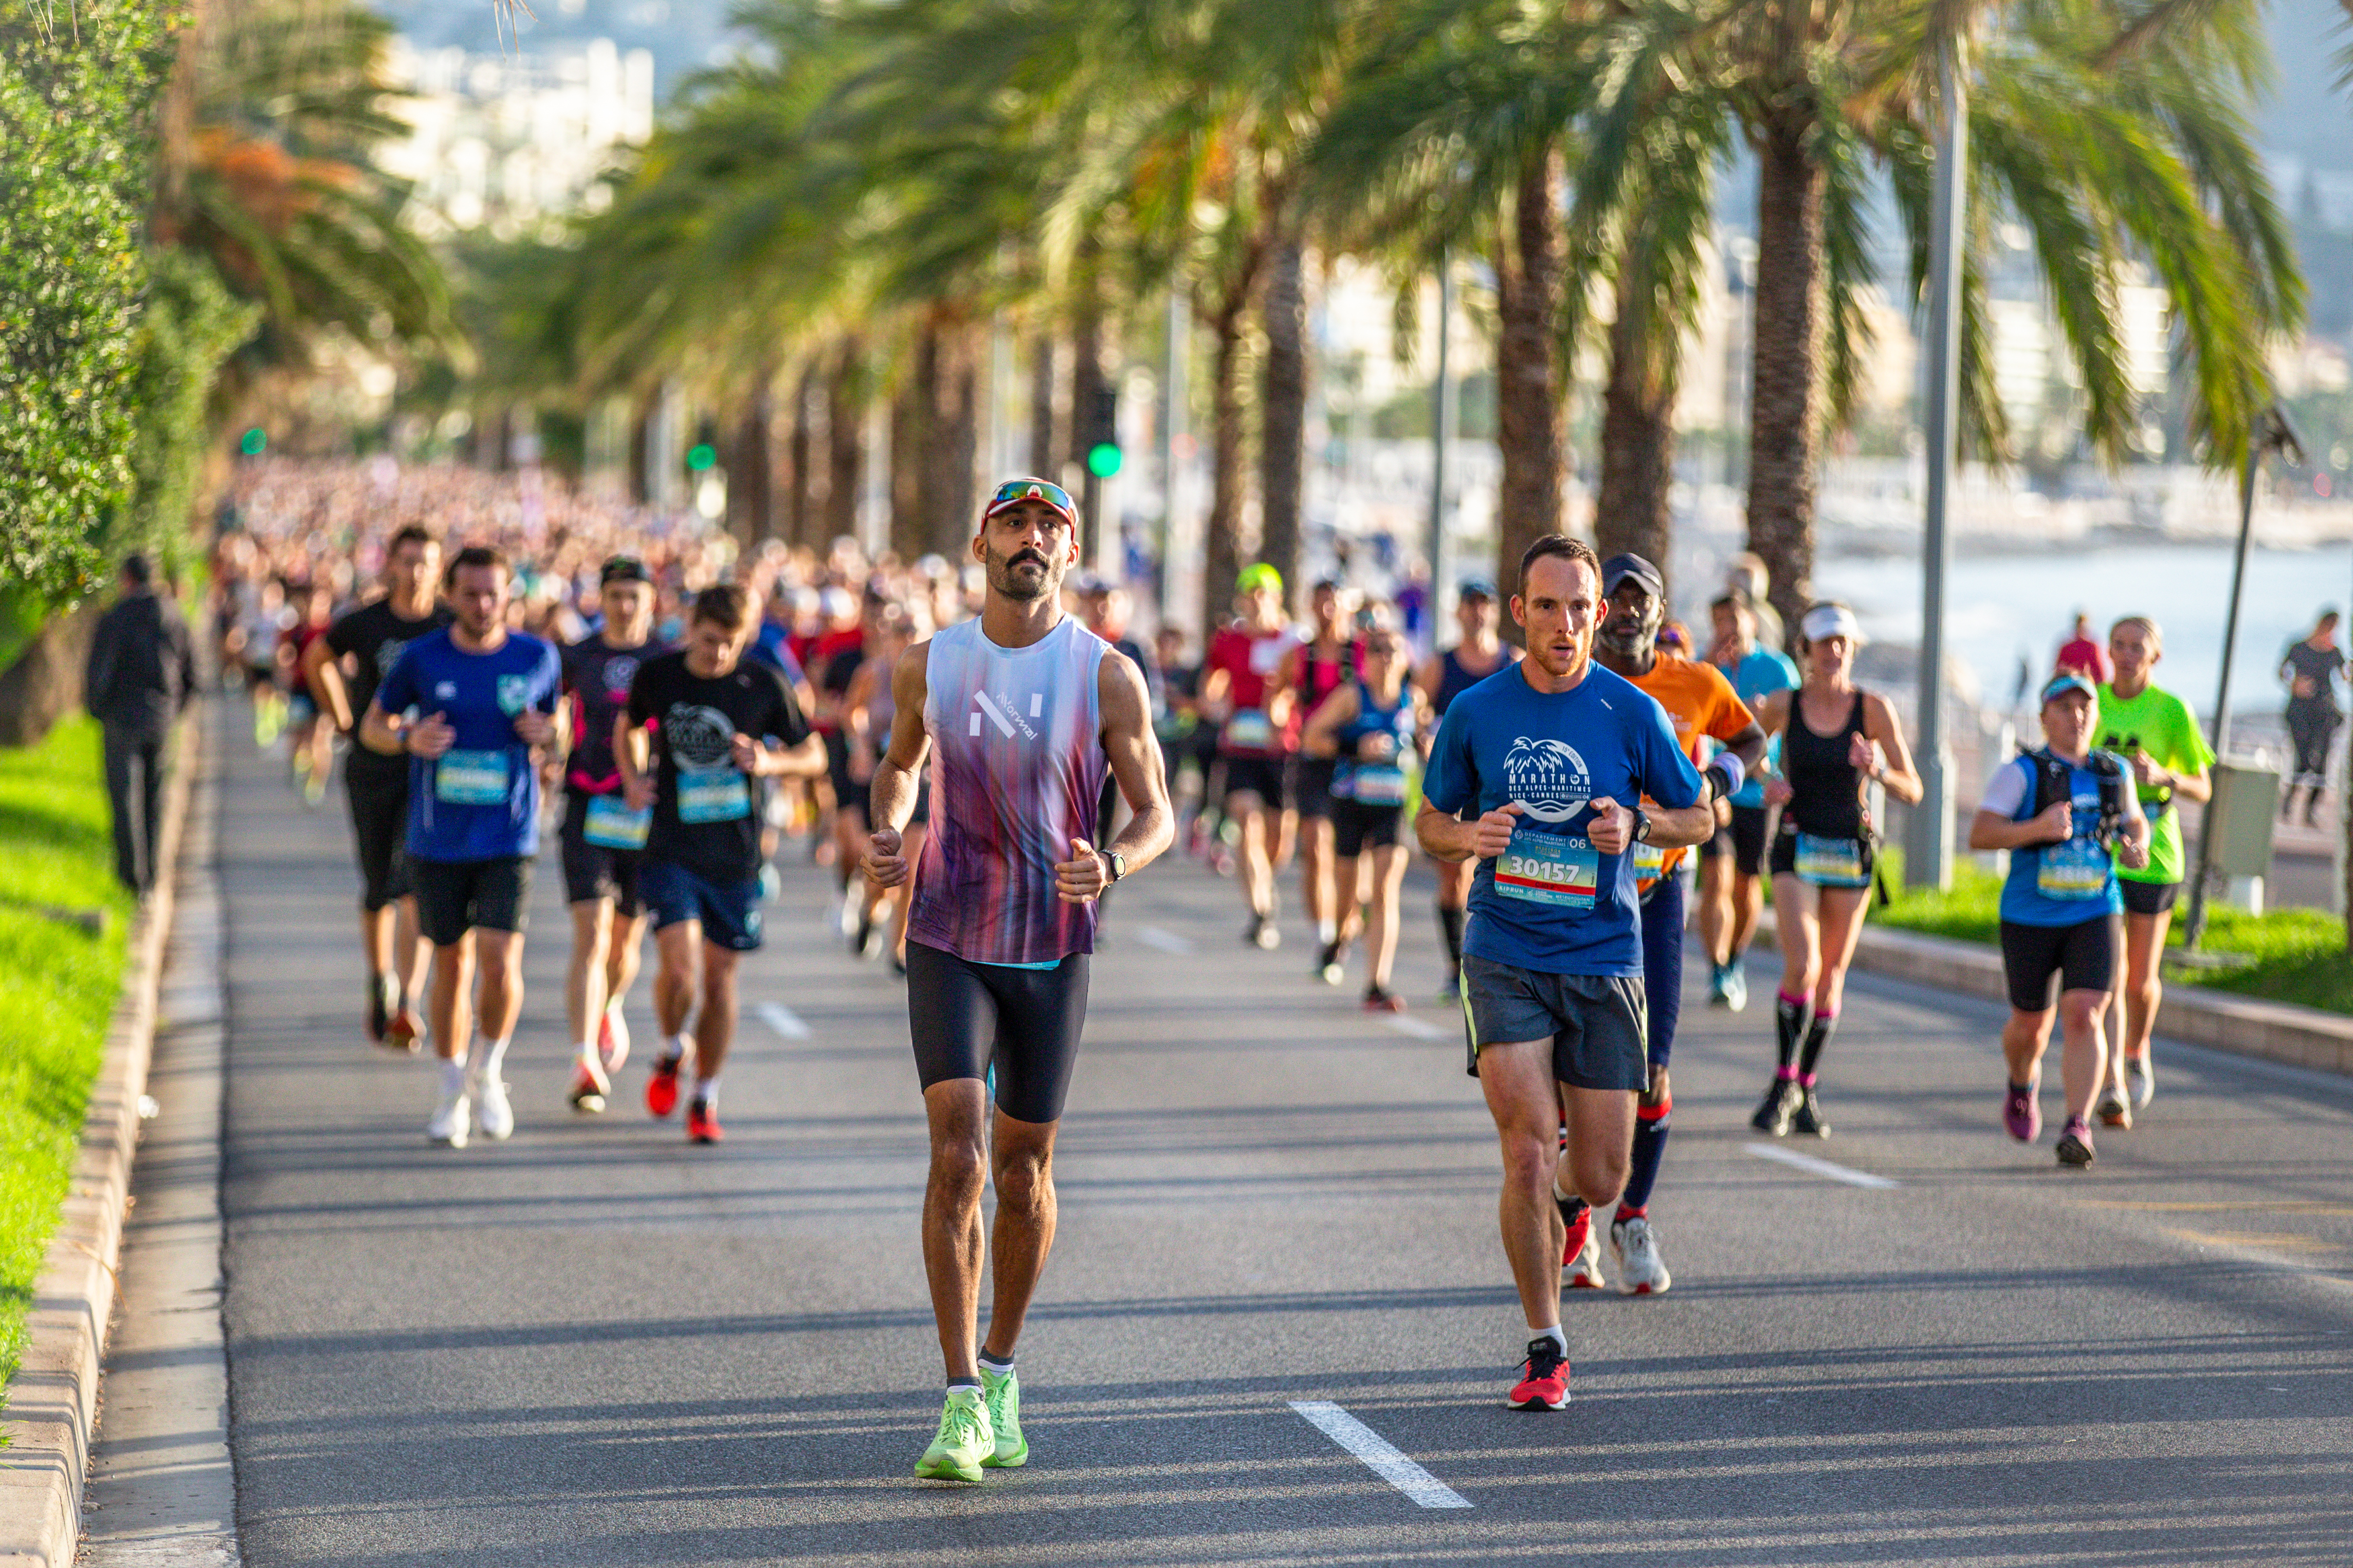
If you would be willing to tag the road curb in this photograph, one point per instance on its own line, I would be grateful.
(53, 1401)
(2272, 1031)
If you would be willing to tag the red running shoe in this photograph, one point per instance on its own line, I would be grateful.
(702, 1124)
(1580, 1260)
(405, 1031)
(661, 1090)
(1544, 1377)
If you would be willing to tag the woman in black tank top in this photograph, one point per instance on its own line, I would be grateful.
(1836, 738)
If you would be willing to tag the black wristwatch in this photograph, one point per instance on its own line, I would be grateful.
(1642, 826)
(1118, 862)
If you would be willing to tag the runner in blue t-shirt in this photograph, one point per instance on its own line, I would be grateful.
(1555, 755)
(472, 705)
(1732, 862)
(2067, 814)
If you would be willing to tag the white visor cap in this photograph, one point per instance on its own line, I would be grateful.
(1830, 621)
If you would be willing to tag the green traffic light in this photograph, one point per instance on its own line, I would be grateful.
(1103, 459)
(701, 457)
(256, 442)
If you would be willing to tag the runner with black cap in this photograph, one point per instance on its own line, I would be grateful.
(1477, 654)
(1836, 741)
(603, 837)
(2068, 818)
(1706, 715)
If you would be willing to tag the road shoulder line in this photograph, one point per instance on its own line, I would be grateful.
(1380, 1456)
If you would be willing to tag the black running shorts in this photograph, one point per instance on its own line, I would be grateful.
(1260, 776)
(2082, 955)
(594, 871)
(965, 1014)
(1356, 827)
(1743, 839)
(379, 802)
(2147, 898)
(454, 897)
(1311, 786)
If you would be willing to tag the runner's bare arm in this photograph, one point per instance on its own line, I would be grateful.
(323, 672)
(1134, 752)
(632, 755)
(1897, 774)
(1322, 739)
(379, 734)
(1444, 836)
(898, 774)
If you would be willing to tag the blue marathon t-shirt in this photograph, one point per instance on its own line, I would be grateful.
(2061, 884)
(1757, 677)
(480, 800)
(1553, 903)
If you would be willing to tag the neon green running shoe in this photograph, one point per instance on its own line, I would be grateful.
(1003, 1397)
(965, 1443)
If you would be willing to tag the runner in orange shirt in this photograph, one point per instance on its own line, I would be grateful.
(1706, 714)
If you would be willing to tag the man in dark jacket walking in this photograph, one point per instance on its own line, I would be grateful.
(143, 670)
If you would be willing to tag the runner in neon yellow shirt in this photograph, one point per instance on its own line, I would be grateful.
(2156, 732)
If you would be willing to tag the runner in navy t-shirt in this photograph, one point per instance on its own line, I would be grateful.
(1556, 753)
(484, 699)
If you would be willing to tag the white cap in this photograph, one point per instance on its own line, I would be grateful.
(1830, 621)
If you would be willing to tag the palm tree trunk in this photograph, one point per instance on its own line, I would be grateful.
(1785, 424)
(909, 431)
(1530, 438)
(845, 421)
(1637, 439)
(1041, 407)
(1221, 529)
(954, 445)
(641, 434)
(751, 468)
(1282, 406)
(799, 522)
(1086, 359)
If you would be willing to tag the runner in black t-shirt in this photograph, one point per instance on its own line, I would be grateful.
(341, 671)
(716, 727)
(602, 837)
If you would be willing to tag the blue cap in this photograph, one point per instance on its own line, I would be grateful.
(1474, 588)
(2067, 680)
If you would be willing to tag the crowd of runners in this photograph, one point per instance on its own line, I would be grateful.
(977, 749)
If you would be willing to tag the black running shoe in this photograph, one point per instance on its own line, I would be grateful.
(1807, 1116)
(1327, 965)
(1781, 1098)
(379, 1007)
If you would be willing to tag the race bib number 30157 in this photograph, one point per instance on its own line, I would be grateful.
(1549, 869)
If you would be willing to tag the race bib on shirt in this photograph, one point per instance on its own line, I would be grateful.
(1649, 861)
(471, 778)
(2075, 870)
(1830, 862)
(713, 794)
(1549, 869)
(1249, 730)
(1377, 785)
(611, 825)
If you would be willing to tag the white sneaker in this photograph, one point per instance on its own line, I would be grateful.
(1583, 1272)
(492, 1108)
(451, 1122)
(2143, 1068)
(1641, 1271)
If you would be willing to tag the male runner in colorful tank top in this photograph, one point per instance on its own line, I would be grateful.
(1021, 709)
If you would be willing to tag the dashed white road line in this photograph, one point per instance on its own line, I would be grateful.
(784, 1020)
(1419, 1028)
(1161, 940)
(1380, 1456)
(1819, 1167)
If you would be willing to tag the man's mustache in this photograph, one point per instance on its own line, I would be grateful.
(1018, 556)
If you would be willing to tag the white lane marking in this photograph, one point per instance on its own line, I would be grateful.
(1813, 1166)
(784, 1020)
(1406, 1024)
(1379, 1454)
(1161, 940)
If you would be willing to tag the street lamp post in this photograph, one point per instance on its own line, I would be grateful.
(1442, 425)
(1929, 859)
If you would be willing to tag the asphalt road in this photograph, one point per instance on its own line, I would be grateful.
(595, 1344)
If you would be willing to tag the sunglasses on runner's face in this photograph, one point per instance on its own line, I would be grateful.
(1031, 490)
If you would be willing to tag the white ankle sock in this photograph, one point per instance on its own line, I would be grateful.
(453, 1077)
(1554, 1335)
(493, 1056)
(706, 1089)
(673, 1047)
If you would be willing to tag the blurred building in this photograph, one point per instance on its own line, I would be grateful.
(508, 141)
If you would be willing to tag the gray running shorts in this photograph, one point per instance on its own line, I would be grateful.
(1598, 1023)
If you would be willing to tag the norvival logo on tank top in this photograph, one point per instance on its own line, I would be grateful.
(1003, 712)
(1547, 778)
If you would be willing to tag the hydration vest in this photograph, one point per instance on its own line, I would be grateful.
(2054, 781)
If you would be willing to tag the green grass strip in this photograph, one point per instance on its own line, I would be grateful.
(57, 986)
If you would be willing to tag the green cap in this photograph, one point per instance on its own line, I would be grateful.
(1257, 576)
